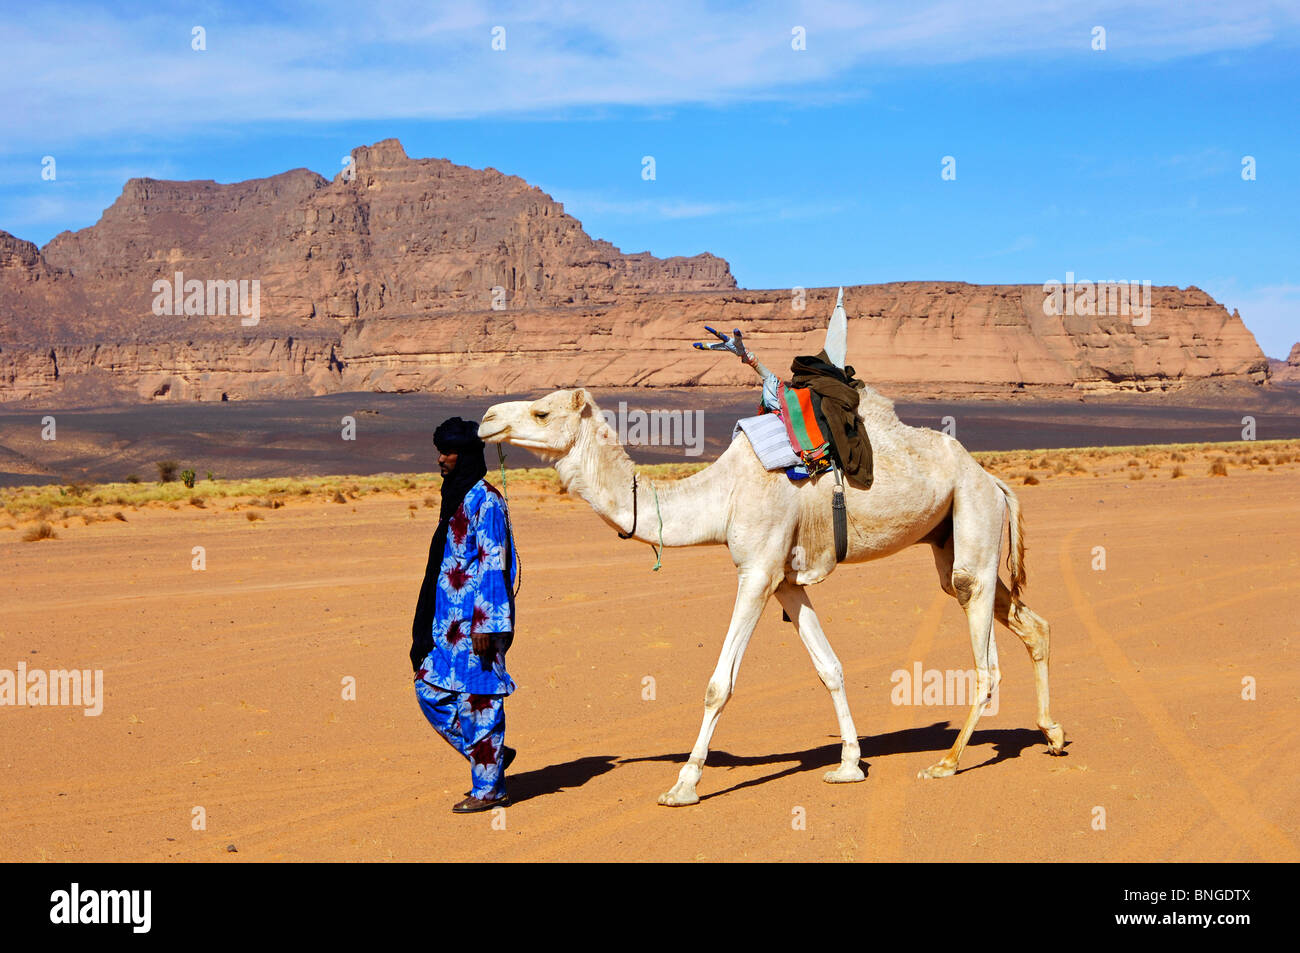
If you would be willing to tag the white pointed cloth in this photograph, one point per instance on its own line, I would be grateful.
(837, 334)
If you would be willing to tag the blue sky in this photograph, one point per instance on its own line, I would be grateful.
(805, 167)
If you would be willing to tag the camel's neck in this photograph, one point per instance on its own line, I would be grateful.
(597, 469)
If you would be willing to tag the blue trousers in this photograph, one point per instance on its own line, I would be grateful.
(475, 725)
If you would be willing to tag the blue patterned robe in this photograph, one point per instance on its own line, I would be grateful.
(473, 597)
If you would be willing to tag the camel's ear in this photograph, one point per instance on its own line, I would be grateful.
(580, 398)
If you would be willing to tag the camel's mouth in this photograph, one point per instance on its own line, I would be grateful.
(494, 436)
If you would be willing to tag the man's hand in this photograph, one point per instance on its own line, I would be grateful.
(482, 643)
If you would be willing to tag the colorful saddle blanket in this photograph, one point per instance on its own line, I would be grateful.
(805, 426)
(793, 438)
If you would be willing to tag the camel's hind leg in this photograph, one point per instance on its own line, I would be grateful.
(974, 552)
(794, 600)
(1031, 628)
(1034, 631)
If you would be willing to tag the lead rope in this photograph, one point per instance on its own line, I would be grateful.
(519, 565)
(659, 553)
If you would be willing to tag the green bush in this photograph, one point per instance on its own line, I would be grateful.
(187, 477)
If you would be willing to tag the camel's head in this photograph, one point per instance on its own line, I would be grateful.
(548, 426)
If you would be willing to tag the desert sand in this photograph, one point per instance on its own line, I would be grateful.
(224, 688)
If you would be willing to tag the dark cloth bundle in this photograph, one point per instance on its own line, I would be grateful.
(460, 437)
(838, 392)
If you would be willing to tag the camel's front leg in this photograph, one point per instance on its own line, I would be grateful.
(794, 600)
(751, 596)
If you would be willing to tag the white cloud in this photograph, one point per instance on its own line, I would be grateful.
(77, 70)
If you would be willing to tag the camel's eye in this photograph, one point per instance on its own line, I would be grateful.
(541, 415)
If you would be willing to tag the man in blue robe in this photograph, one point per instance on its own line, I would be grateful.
(464, 619)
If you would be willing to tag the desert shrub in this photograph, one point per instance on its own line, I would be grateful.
(428, 502)
(1179, 457)
(118, 516)
(253, 516)
(1219, 468)
(338, 497)
(1178, 471)
(167, 470)
(132, 478)
(41, 530)
(1031, 480)
(211, 478)
(188, 477)
(198, 501)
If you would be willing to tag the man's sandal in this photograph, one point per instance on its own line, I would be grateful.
(472, 805)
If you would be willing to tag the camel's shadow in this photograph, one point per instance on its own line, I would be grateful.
(1007, 743)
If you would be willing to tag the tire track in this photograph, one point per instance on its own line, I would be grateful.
(1226, 797)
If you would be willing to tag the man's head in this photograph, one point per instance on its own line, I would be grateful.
(452, 438)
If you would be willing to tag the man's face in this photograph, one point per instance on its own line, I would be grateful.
(447, 462)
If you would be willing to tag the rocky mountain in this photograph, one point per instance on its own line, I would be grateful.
(416, 274)
(1288, 371)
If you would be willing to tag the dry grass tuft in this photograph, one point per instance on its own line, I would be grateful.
(41, 530)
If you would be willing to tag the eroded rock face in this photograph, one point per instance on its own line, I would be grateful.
(406, 274)
(1288, 371)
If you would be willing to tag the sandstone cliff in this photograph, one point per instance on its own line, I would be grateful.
(416, 274)
(1288, 371)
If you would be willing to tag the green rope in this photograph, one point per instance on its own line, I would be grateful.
(519, 566)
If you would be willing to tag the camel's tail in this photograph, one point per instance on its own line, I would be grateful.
(1016, 537)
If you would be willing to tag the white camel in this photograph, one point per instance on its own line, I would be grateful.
(927, 489)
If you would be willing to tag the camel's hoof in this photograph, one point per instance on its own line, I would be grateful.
(1055, 736)
(844, 774)
(939, 770)
(679, 796)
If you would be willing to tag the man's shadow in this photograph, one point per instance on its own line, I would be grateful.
(554, 778)
(939, 736)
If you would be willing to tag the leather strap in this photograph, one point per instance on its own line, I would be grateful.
(621, 534)
(840, 518)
